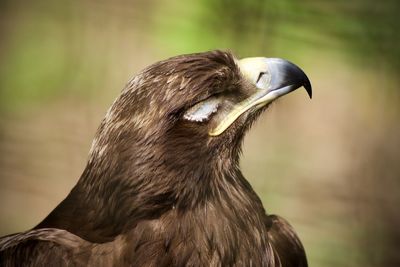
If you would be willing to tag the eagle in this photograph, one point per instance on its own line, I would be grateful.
(162, 185)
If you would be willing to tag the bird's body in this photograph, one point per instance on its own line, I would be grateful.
(150, 244)
(160, 187)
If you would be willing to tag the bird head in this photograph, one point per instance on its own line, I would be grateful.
(228, 111)
(187, 114)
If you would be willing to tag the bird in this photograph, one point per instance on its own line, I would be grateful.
(162, 185)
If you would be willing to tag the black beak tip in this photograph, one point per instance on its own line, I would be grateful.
(307, 86)
(285, 73)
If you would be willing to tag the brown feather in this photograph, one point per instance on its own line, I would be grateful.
(158, 190)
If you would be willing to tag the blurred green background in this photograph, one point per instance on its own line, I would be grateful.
(330, 166)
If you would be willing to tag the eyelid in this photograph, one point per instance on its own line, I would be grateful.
(196, 101)
(203, 110)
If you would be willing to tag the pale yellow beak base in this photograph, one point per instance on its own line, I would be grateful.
(282, 77)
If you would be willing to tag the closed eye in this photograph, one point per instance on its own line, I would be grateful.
(202, 111)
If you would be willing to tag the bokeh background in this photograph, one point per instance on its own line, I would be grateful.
(331, 166)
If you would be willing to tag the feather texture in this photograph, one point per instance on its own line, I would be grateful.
(157, 189)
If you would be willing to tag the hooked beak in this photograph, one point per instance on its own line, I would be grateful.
(273, 78)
